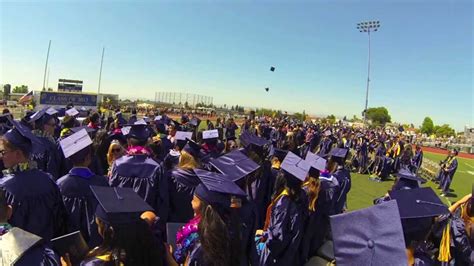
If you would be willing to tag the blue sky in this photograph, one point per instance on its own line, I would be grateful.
(422, 58)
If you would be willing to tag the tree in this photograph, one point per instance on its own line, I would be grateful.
(331, 119)
(428, 126)
(378, 115)
(20, 89)
(186, 105)
(444, 131)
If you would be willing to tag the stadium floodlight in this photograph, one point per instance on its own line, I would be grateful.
(368, 26)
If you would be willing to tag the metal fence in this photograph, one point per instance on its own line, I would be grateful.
(182, 98)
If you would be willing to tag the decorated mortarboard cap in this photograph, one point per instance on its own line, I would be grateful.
(316, 161)
(295, 166)
(418, 203)
(371, 236)
(75, 143)
(210, 134)
(51, 111)
(72, 112)
(192, 148)
(21, 137)
(216, 189)
(183, 135)
(234, 164)
(338, 152)
(405, 174)
(88, 129)
(118, 205)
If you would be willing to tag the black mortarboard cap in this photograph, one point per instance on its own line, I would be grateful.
(267, 89)
(216, 189)
(295, 166)
(234, 164)
(280, 154)
(315, 161)
(119, 205)
(418, 203)
(371, 236)
(195, 122)
(272, 68)
(405, 174)
(38, 115)
(72, 244)
(139, 131)
(22, 137)
(192, 148)
(338, 152)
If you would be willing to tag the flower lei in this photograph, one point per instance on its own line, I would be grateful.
(186, 239)
(4, 228)
(21, 167)
(137, 150)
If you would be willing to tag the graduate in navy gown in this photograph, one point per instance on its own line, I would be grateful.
(343, 176)
(238, 167)
(75, 187)
(128, 239)
(447, 172)
(37, 204)
(183, 182)
(139, 171)
(417, 159)
(311, 238)
(212, 237)
(280, 239)
(28, 248)
(44, 125)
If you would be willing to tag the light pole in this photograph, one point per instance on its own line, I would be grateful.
(368, 26)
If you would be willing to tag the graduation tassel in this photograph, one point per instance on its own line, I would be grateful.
(444, 248)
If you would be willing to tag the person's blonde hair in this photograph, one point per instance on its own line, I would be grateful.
(187, 161)
(110, 154)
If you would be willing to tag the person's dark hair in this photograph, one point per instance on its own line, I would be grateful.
(5, 111)
(129, 244)
(3, 205)
(138, 142)
(94, 118)
(291, 183)
(68, 122)
(81, 156)
(219, 235)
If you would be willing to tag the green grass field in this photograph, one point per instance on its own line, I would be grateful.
(364, 191)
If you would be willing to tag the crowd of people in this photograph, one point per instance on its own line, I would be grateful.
(274, 193)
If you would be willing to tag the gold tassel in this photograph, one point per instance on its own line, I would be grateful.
(444, 248)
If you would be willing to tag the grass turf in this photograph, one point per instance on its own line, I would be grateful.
(364, 191)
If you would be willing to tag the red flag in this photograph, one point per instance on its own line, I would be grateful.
(26, 98)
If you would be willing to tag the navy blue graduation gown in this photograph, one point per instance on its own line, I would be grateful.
(447, 176)
(181, 190)
(284, 234)
(261, 191)
(145, 176)
(37, 204)
(248, 215)
(39, 256)
(80, 203)
(343, 176)
(47, 160)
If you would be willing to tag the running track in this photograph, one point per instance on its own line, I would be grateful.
(442, 151)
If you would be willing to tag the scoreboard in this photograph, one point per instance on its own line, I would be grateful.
(69, 85)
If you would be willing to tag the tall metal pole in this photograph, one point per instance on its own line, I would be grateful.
(47, 78)
(368, 81)
(46, 65)
(100, 71)
(368, 26)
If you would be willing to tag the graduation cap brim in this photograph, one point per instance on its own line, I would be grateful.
(72, 244)
(217, 182)
(235, 164)
(295, 166)
(316, 161)
(138, 131)
(409, 176)
(192, 147)
(22, 137)
(38, 115)
(371, 236)
(338, 152)
(418, 203)
(118, 205)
